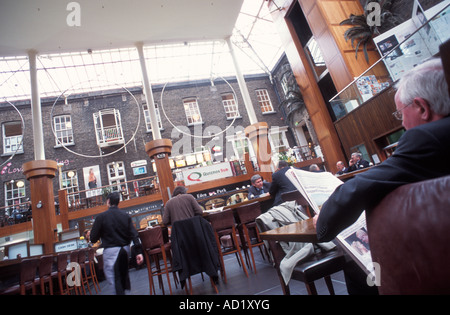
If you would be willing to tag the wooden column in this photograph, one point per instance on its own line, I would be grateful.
(258, 136)
(160, 150)
(40, 173)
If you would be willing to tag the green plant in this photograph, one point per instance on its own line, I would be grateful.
(362, 32)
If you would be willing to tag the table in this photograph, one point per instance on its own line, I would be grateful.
(302, 231)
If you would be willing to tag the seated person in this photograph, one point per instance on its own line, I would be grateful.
(341, 168)
(259, 188)
(280, 183)
(182, 206)
(314, 168)
(356, 162)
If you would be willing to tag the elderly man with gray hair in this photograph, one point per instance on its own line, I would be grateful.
(259, 187)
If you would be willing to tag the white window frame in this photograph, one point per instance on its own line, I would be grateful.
(14, 193)
(191, 109)
(264, 101)
(230, 106)
(148, 124)
(12, 144)
(70, 184)
(116, 175)
(63, 130)
(278, 140)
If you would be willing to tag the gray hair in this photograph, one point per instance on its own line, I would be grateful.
(426, 81)
(255, 178)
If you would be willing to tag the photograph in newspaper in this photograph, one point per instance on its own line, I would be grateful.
(356, 242)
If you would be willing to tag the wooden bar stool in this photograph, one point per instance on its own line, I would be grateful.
(93, 273)
(153, 245)
(27, 278)
(61, 272)
(247, 215)
(45, 273)
(224, 226)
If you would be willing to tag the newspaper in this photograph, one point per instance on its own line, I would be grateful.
(317, 187)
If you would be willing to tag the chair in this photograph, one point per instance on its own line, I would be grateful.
(409, 236)
(82, 260)
(224, 228)
(75, 268)
(320, 265)
(153, 245)
(45, 273)
(61, 272)
(93, 273)
(194, 250)
(296, 196)
(27, 278)
(247, 215)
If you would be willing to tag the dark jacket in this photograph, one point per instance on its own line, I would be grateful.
(253, 192)
(280, 184)
(423, 152)
(116, 229)
(194, 248)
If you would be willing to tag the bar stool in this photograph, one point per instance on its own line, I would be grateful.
(74, 259)
(224, 227)
(93, 273)
(153, 245)
(27, 278)
(247, 215)
(82, 260)
(45, 273)
(61, 272)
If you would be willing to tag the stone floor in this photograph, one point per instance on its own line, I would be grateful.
(264, 282)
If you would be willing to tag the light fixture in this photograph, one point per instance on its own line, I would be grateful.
(71, 174)
(20, 184)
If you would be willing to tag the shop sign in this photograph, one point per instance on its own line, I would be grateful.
(207, 173)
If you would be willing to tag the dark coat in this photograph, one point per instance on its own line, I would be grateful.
(194, 248)
(423, 152)
(280, 184)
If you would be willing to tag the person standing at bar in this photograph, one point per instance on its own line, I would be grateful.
(116, 231)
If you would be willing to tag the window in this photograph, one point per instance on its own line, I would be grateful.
(14, 192)
(229, 103)
(12, 137)
(116, 175)
(63, 130)
(278, 140)
(264, 101)
(192, 111)
(69, 181)
(147, 117)
(108, 127)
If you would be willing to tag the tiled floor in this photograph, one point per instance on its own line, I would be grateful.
(264, 282)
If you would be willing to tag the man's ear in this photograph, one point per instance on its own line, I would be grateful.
(424, 108)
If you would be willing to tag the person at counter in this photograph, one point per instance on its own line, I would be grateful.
(259, 187)
(341, 168)
(182, 206)
(357, 162)
(280, 183)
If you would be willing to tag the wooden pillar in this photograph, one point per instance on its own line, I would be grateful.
(258, 135)
(159, 150)
(40, 173)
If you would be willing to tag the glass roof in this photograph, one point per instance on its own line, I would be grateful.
(256, 43)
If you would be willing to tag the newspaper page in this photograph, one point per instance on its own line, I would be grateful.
(317, 187)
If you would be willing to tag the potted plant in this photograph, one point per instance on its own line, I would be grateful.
(365, 26)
